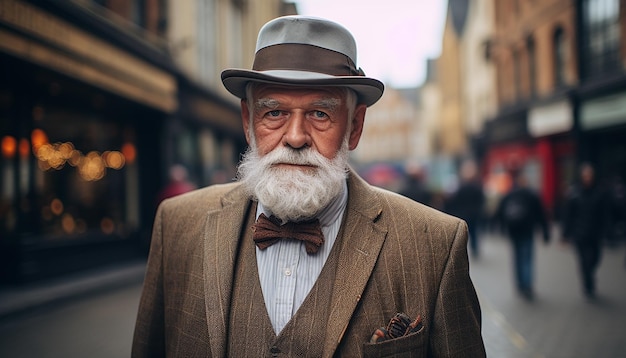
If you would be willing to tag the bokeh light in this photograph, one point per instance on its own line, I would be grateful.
(9, 146)
(24, 148)
(91, 167)
(38, 138)
(68, 223)
(129, 151)
(56, 207)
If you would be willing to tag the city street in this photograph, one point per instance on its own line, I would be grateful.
(96, 326)
(559, 323)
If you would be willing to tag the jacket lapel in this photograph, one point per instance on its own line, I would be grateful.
(361, 241)
(221, 241)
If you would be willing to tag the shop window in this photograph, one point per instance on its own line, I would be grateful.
(600, 37)
(83, 171)
(137, 12)
(560, 57)
(186, 152)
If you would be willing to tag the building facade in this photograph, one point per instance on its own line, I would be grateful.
(600, 107)
(387, 134)
(390, 137)
(477, 72)
(560, 84)
(205, 37)
(84, 96)
(97, 101)
(534, 51)
(452, 139)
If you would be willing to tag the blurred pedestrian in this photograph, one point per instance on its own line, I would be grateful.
(586, 224)
(415, 184)
(467, 203)
(519, 213)
(178, 183)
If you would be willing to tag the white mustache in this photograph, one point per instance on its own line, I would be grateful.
(286, 155)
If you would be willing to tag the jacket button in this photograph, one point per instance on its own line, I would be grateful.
(275, 351)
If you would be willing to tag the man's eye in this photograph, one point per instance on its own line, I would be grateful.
(320, 115)
(274, 113)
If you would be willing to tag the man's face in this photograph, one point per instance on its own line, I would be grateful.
(299, 142)
(301, 117)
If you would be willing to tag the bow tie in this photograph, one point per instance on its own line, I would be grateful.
(267, 231)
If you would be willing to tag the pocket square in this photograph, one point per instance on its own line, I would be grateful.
(399, 325)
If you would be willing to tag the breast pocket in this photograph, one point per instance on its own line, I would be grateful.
(413, 345)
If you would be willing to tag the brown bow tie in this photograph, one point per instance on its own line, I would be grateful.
(267, 231)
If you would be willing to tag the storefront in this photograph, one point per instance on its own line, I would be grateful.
(510, 146)
(603, 132)
(551, 124)
(505, 146)
(81, 121)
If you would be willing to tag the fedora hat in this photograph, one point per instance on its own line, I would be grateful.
(305, 51)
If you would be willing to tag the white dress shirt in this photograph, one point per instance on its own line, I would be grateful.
(287, 273)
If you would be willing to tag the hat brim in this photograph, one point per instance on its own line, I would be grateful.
(369, 90)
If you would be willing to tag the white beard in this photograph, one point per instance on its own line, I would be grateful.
(293, 194)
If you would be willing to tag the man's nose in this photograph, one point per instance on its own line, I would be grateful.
(297, 133)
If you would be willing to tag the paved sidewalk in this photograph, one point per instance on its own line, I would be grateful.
(559, 322)
(16, 300)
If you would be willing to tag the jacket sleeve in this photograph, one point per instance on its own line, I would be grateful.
(149, 338)
(457, 328)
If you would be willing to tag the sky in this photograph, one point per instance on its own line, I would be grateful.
(394, 37)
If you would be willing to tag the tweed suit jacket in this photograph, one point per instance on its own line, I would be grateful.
(396, 256)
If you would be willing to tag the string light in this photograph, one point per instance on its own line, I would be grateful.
(91, 167)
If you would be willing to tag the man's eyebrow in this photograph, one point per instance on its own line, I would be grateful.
(330, 104)
(266, 103)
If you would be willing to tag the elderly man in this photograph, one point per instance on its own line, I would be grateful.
(301, 257)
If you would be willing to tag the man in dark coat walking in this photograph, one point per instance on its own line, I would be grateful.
(519, 212)
(467, 203)
(585, 225)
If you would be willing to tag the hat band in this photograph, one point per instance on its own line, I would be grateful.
(303, 57)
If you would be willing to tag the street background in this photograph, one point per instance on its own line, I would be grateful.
(107, 107)
(93, 316)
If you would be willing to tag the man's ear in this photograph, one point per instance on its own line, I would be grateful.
(245, 119)
(356, 130)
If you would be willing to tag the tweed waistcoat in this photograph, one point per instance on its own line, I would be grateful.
(250, 331)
